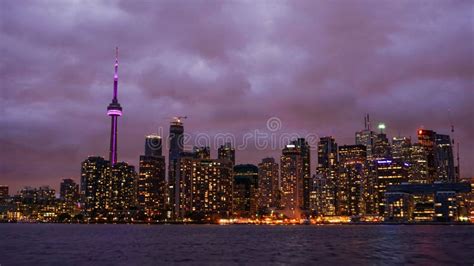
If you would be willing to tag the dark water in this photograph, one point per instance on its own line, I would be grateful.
(63, 244)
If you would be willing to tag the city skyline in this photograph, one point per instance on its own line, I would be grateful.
(229, 85)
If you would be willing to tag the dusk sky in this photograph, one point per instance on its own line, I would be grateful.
(318, 66)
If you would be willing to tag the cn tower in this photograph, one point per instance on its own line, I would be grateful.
(114, 110)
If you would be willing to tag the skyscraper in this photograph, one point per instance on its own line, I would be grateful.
(95, 185)
(268, 183)
(445, 160)
(153, 145)
(208, 195)
(427, 139)
(291, 169)
(305, 149)
(69, 197)
(151, 185)
(401, 147)
(124, 190)
(245, 190)
(176, 140)
(351, 179)
(327, 174)
(381, 149)
(366, 137)
(114, 110)
(69, 190)
(226, 151)
(388, 172)
(418, 171)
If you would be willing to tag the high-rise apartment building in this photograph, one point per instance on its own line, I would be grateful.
(245, 190)
(226, 151)
(291, 170)
(95, 185)
(268, 183)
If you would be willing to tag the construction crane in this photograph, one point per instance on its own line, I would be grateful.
(178, 119)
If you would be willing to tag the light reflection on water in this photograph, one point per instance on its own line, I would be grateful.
(235, 244)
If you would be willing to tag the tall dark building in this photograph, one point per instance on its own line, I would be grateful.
(226, 151)
(351, 180)
(186, 166)
(327, 152)
(69, 190)
(124, 189)
(268, 183)
(418, 166)
(388, 173)
(176, 140)
(381, 149)
(366, 137)
(327, 174)
(427, 139)
(207, 188)
(445, 160)
(95, 185)
(69, 197)
(203, 152)
(305, 149)
(245, 191)
(3, 192)
(153, 146)
(152, 185)
(401, 149)
(291, 170)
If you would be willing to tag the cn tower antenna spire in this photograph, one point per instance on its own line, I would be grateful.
(116, 73)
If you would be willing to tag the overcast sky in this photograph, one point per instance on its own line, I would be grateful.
(318, 66)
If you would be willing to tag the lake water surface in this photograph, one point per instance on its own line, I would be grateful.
(75, 244)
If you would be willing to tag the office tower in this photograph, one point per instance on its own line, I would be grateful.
(69, 190)
(3, 192)
(418, 166)
(245, 192)
(401, 149)
(381, 149)
(95, 185)
(305, 149)
(291, 169)
(351, 179)
(445, 160)
(69, 197)
(176, 140)
(186, 164)
(268, 183)
(388, 173)
(209, 193)
(226, 151)
(327, 173)
(317, 197)
(153, 145)
(366, 137)
(114, 110)
(151, 184)
(427, 139)
(203, 152)
(124, 189)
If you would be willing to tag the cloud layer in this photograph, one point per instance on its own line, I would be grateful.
(319, 66)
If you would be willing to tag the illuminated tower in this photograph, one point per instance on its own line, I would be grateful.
(291, 169)
(114, 110)
(176, 142)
